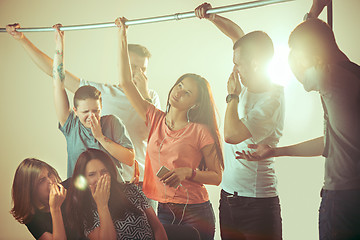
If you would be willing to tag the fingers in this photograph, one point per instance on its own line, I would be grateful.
(120, 22)
(172, 180)
(166, 175)
(252, 146)
(11, 29)
(94, 122)
(246, 155)
(57, 27)
(62, 190)
(200, 11)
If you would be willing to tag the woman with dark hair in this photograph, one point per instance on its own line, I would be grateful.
(37, 197)
(102, 208)
(183, 152)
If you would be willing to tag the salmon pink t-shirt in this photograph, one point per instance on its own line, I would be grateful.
(174, 149)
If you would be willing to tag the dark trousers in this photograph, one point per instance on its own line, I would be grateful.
(200, 216)
(339, 215)
(249, 218)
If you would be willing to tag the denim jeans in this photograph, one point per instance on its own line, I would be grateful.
(339, 215)
(200, 216)
(249, 218)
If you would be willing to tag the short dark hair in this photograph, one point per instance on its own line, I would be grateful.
(256, 45)
(314, 36)
(139, 50)
(86, 92)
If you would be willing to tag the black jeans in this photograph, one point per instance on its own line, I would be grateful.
(339, 215)
(249, 218)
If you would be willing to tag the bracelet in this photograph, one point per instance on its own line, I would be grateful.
(193, 174)
(60, 53)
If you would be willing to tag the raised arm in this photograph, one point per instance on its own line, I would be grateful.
(226, 26)
(125, 76)
(235, 130)
(61, 100)
(317, 7)
(43, 61)
(311, 148)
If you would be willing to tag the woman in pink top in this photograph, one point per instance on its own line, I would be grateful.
(185, 140)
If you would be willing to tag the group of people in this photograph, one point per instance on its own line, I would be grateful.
(120, 170)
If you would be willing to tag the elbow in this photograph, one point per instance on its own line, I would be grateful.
(124, 84)
(230, 138)
(131, 158)
(217, 180)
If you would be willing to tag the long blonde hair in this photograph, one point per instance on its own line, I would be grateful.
(24, 188)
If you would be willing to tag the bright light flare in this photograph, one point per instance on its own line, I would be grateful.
(279, 70)
(80, 183)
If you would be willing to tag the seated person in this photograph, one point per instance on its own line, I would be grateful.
(37, 197)
(106, 209)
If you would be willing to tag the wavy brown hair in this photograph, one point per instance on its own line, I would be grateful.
(24, 188)
(204, 112)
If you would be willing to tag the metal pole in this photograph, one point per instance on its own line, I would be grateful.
(330, 14)
(177, 16)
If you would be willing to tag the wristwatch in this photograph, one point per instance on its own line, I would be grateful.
(230, 97)
(307, 16)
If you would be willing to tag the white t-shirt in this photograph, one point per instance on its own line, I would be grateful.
(263, 115)
(115, 102)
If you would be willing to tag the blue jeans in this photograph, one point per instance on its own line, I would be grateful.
(339, 215)
(249, 218)
(200, 216)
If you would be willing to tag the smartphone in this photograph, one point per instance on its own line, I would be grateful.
(162, 171)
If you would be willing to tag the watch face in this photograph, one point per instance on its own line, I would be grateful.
(231, 97)
(228, 98)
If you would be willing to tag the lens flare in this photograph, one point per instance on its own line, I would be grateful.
(279, 69)
(80, 183)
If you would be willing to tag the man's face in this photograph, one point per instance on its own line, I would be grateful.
(299, 62)
(137, 62)
(86, 108)
(241, 66)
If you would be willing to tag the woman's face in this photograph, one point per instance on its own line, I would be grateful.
(44, 181)
(93, 171)
(184, 95)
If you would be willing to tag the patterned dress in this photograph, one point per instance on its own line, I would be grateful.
(130, 227)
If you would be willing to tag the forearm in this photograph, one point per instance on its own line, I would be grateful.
(124, 62)
(234, 129)
(60, 96)
(45, 63)
(314, 147)
(156, 226)
(122, 154)
(210, 177)
(125, 77)
(58, 232)
(228, 27)
(107, 229)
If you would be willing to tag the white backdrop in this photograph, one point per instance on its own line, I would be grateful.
(28, 125)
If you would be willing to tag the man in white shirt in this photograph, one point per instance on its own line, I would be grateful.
(249, 204)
